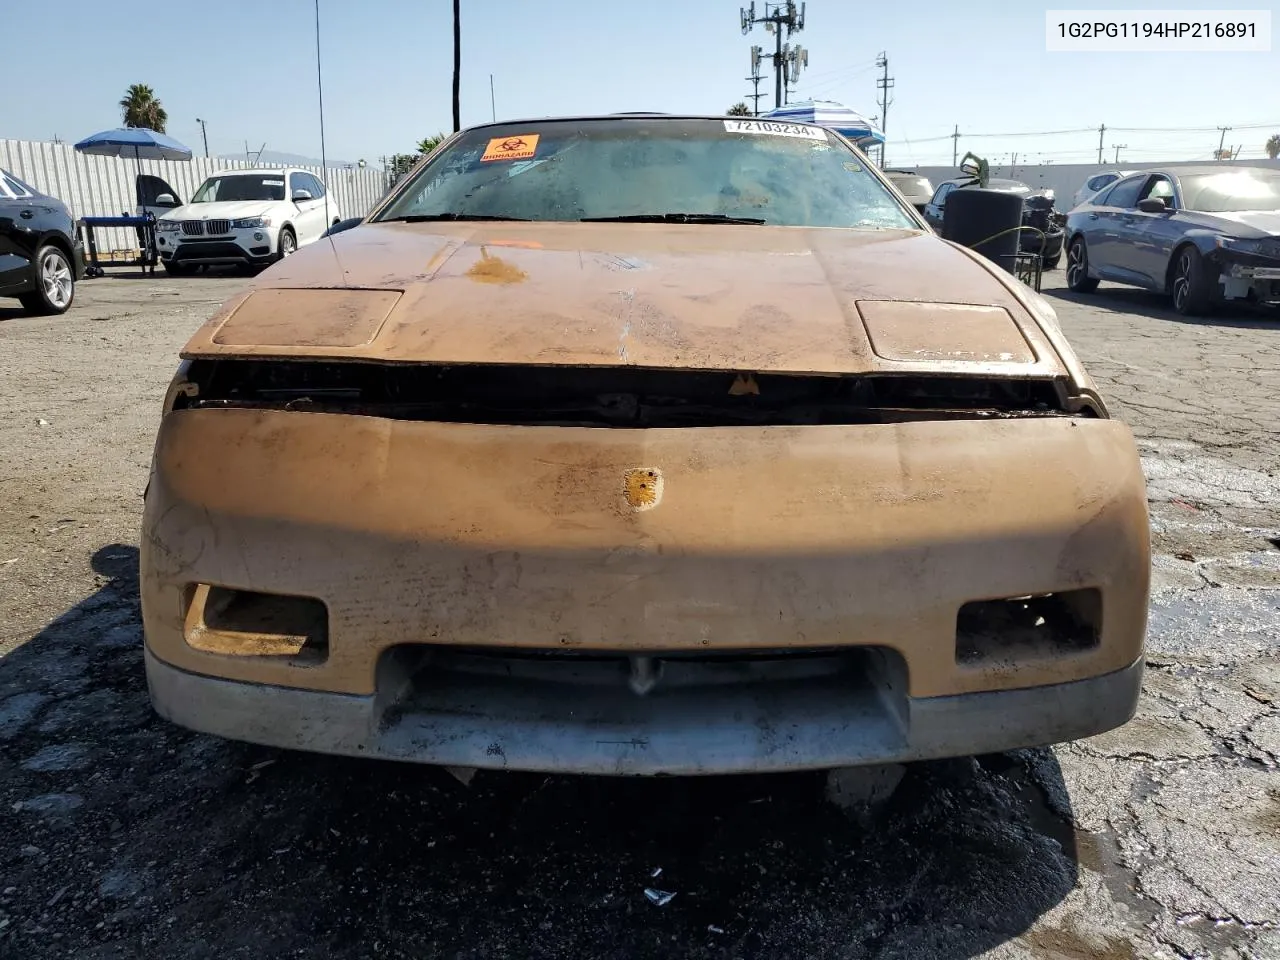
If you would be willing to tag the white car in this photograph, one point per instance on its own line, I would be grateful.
(1095, 184)
(246, 217)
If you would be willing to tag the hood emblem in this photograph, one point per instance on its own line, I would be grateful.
(642, 488)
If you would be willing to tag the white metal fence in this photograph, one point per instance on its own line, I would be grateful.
(105, 186)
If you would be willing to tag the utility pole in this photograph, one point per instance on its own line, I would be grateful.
(955, 146)
(754, 79)
(1101, 130)
(885, 84)
(457, 65)
(777, 16)
(204, 135)
(493, 104)
(1118, 148)
(1221, 140)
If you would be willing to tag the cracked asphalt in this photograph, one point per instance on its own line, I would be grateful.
(122, 836)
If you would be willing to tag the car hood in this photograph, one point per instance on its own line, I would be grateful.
(222, 210)
(1265, 222)
(724, 297)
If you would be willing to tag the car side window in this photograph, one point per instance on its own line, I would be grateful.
(4, 191)
(297, 181)
(1159, 188)
(316, 188)
(1124, 194)
(15, 189)
(1100, 181)
(940, 197)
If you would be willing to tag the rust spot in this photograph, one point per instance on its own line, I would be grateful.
(495, 270)
(642, 487)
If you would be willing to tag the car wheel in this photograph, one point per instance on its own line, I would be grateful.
(1078, 279)
(1192, 285)
(55, 283)
(176, 269)
(288, 243)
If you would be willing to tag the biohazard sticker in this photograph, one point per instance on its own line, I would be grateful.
(773, 128)
(511, 148)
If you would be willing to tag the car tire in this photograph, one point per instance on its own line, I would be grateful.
(1078, 279)
(288, 243)
(177, 269)
(55, 283)
(1191, 282)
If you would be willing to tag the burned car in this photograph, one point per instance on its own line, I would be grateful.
(1044, 226)
(641, 445)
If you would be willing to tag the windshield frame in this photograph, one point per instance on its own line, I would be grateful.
(232, 174)
(1186, 180)
(421, 171)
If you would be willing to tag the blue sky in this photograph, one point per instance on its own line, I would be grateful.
(247, 67)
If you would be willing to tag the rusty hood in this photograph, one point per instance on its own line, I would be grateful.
(753, 298)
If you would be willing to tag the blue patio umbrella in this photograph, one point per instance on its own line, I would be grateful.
(140, 143)
(835, 116)
(137, 142)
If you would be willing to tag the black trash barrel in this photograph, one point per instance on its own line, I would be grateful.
(974, 215)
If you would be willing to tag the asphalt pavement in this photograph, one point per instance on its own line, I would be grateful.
(123, 836)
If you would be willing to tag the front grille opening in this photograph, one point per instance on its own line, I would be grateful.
(246, 623)
(411, 671)
(611, 396)
(1010, 631)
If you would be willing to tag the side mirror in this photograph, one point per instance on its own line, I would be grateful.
(166, 200)
(300, 195)
(1152, 205)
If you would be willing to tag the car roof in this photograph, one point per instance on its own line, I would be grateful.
(255, 171)
(636, 115)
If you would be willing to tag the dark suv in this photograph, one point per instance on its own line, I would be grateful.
(41, 258)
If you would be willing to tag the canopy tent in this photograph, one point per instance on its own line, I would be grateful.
(836, 116)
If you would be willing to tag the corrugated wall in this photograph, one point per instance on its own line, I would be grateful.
(104, 186)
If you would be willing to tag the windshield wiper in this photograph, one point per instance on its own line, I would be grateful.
(428, 217)
(673, 218)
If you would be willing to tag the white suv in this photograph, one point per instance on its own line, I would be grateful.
(245, 217)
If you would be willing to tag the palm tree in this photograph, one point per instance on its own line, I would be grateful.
(1273, 146)
(739, 109)
(427, 144)
(457, 64)
(142, 109)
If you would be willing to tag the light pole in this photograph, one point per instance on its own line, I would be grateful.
(204, 136)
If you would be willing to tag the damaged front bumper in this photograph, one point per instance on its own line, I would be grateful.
(666, 600)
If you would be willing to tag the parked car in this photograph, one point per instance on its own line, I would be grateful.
(1200, 234)
(246, 217)
(642, 445)
(917, 189)
(41, 255)
(1038, 213)
(1096, 183)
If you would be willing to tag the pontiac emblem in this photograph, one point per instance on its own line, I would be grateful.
(642, 488)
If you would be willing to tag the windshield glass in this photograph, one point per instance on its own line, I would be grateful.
(241, 187)
(776, 173)
(1234, 191)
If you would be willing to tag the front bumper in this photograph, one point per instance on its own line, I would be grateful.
(244, 246)
(434, 538)
(724, 730)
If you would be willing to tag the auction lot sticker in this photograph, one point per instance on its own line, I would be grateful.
(511, 148)
(776, 129)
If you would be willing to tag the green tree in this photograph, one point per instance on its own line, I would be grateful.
(739, 109)
(1273, 146)
(142, 109)
(427, 144)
